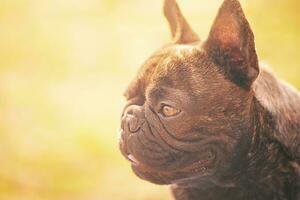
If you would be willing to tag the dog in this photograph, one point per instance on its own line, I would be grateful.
(208, 119)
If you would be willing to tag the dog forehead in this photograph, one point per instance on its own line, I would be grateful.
(171, 64)
(177, 60)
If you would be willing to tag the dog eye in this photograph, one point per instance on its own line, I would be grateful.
(169, 111)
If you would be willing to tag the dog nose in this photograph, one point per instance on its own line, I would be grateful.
(132, 118)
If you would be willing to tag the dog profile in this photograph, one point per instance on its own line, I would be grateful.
(208, 119)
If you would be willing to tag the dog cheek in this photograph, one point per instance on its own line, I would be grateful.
(181, 128)
(147, 151)
(152, 176)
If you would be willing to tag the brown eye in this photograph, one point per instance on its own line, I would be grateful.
(169, 111)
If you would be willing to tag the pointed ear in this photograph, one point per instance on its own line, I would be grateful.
(180, 29)
(231, 44)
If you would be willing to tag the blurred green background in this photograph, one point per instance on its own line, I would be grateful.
(64, 66)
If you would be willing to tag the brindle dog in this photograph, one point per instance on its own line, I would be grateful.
(206, 118)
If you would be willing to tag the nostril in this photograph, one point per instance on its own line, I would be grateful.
(133, 125)
(132, 118)
(129, 112)
(133, 110)
(123, 122)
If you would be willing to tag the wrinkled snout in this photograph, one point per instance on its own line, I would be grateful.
(131, 122)
(132, 119)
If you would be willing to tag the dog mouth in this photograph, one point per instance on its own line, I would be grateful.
(172, 168)
(199, 168)
(194, 166)
(198, 165)
(133, 160)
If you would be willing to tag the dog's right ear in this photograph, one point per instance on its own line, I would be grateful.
(231, 44)
(181, 31)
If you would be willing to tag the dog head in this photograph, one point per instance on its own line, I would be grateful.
(188, 111)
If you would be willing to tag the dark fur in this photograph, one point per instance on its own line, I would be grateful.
(237, 135)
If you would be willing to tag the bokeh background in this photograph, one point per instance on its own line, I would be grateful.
(64, 65)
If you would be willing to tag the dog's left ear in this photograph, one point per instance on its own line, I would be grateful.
(181, 31)
(231, 44)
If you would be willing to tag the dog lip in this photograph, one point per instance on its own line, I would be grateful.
(200, 164)
(133, 159)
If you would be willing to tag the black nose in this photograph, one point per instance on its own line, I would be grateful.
(133, 118)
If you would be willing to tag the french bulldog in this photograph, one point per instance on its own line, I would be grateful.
(206, 118)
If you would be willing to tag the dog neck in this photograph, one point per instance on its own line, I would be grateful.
(282, 102)
(275, 114)
(263, 169)
(265, 165)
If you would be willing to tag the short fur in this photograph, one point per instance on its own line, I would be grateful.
(237, 133)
